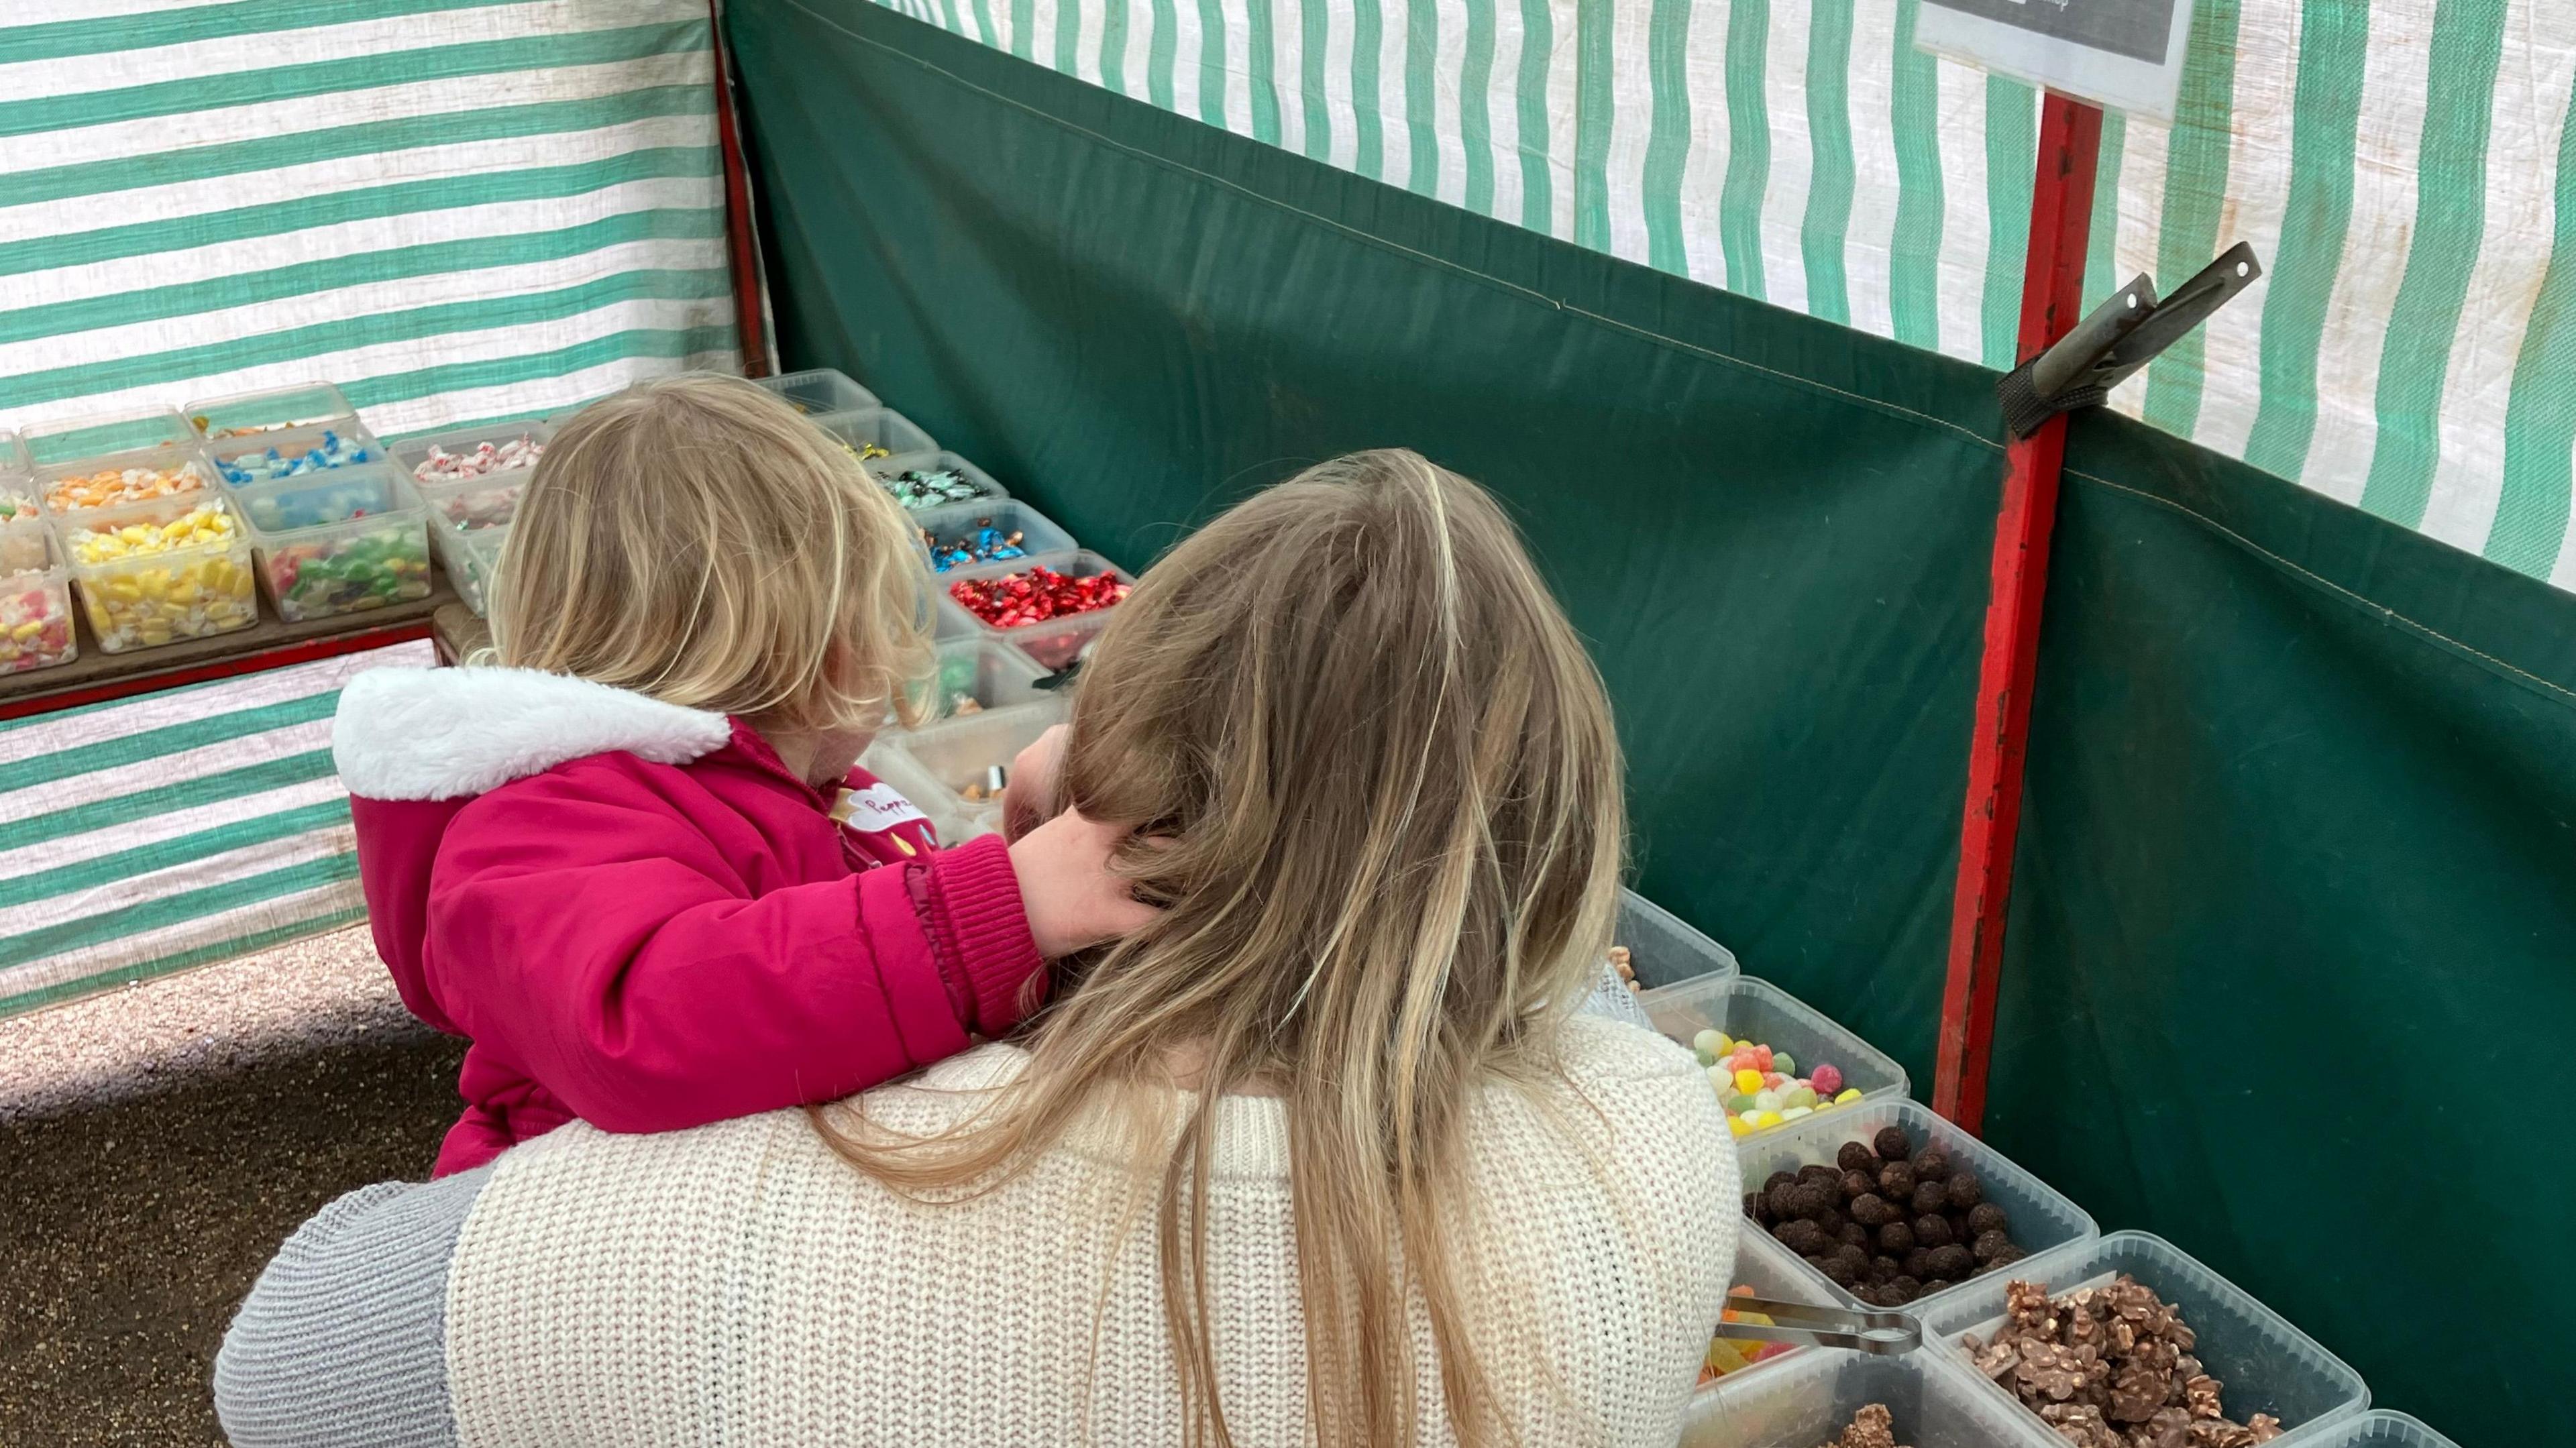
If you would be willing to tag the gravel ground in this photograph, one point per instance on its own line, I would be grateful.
(157, 1143)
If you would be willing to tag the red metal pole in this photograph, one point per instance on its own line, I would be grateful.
(2052, 301)
(745, 247)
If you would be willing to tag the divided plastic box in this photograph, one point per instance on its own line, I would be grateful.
(991, 673)
(245, 414)
(958, 523)
(2043, 1219)
(35, 599)
(129, 430)
(242, 461)
(17, 479)
(1663, 951)
(145, 600)
(341, 541)
(472, 561)
(938, 765)
(2378, 1428)
(2264, 1364)
(1773, 1272)
(185, 457)
(879, 427)
(1053, 642)
(412, 452)
(820, 391)
(1756, 1010)
(1810, 1397)
(886, 470)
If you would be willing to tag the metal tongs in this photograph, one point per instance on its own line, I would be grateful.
(1888, 1334)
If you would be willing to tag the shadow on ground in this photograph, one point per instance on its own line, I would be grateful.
(129, 1231)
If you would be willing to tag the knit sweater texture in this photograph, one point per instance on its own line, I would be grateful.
(742, 1284)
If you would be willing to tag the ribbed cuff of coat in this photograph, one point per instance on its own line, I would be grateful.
(976, 903)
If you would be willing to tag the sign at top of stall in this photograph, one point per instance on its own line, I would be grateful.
(2124, 55)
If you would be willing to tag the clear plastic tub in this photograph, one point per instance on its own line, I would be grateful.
(950, 761)
(2378, 1428)
(1756, 1010)
(958, 523)
(295, 452)
(2264, 1364)
(244, 414)
(61, 485)
(1663, 951)
(1053, 642)
(17, 480)
(472, 561)
(1772, 1272)
(819, 391)
(2042, 1218)
(128, 430)
(144, 599)
(35, 599)
(1811, 1396)
(414, 453)
(985, 674)
(892, 766)
(891, 472)
(894, 436)
(342, 541)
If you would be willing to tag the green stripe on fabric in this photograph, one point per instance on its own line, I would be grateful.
(1475, 108)
(2012, 158)
(2196, 160)
(1315, 32)
(359, 73)
(169, 739)
(179, 908)
(143, 859)
(1823, 230)
(1024, 22)
(171, 964)
(1748, 146)
(296, 343)
(1668, 130)
(1160, 53)
(952, 18)
(65, 39)
(1261, 67)
(125, 809)
(1068, 39)
(1595, 110)
(1113, 45)
(2450, 229)
(435, 258)
(1212, 60)
(365, 203)
(1368, 38)
(2334, 40)
(265, 153)
(2540, 413)
(1538, 184)
(677, 342)
(2102, 237)
(1421, 97)
(984, 29)
(1914, 252)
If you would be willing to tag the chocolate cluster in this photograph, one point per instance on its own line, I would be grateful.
(1886, 1222)
(2111, 1367)
(1871, 1427)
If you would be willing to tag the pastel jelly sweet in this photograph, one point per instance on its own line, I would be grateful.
(108, 487)
(482, 460)
(1735, 1354)
(1759, 1086)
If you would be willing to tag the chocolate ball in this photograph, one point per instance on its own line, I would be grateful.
(1931, 1164)
(1821, 1263)
(1829, 1221)
(1965, 1190)
(1986, 1217)
(1918, 1265)
(1782, 1199)
(1806, 1199)
(1844, 1267)
(1869, 1295)
(1800, 1236)
(1896, 1239)
(1858, 1184)
(1989, 1246)
(1892, 1144)
(1871, 1210)
(1777, 1180)
(1930, 1197)
(1756, 1209)
(1854, 1234)
(1821, 1174)
(1896, 1181)
(2006, 1258)
(1855, 1156)
(1953, 1262)
(1904, 1290)
(1933, 1230)
(1883, 1268)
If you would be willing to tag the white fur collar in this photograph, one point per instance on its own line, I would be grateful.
(449, 733)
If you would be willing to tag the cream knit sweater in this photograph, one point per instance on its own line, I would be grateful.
(740, 1284)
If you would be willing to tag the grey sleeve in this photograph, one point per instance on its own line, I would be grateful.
(343, 1340)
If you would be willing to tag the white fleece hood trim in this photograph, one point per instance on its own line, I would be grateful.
(432, 734)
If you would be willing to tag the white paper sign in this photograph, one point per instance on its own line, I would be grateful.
(2122, 55)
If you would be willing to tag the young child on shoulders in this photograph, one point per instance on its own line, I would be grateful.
(613, 862)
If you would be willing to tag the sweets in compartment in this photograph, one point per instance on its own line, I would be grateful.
(1735, 1354)
(485, 458)
(2111, 1367)
(1885, 1222)
(148, 580)
(296, 457)
(1871, 1427)
(1761, 1088)
(35, 601)
(114, 485)
(351, 572)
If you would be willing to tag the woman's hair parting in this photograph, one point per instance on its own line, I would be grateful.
(695, 539)
(1383, 796)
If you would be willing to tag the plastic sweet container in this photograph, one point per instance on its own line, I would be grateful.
(243, 414)
(945, 768)
(2378, 1428)
(1053, 642)
(414, 453)
(893, 436)
(35, 599)
(2043, 1218)
(472, 561)
(1664, 951)
(958, 524)
(987, 674)
(1756, 1010)
(132, 429)
(891, 472)
(17, 480)
(820, 391)
(886, 760)
(294, 452)
(2264, 1364)
(1809, 1397)
(139, 595)
(341, 541)
(1772, 1272)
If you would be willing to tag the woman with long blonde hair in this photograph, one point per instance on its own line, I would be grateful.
(1321, 1155)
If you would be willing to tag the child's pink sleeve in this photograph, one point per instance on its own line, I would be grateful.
(605, 947)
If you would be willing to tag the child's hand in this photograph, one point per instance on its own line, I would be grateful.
(1072, 900)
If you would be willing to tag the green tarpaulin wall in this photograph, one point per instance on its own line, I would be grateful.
(2289, 976)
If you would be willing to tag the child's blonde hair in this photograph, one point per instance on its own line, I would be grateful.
(694, 539)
